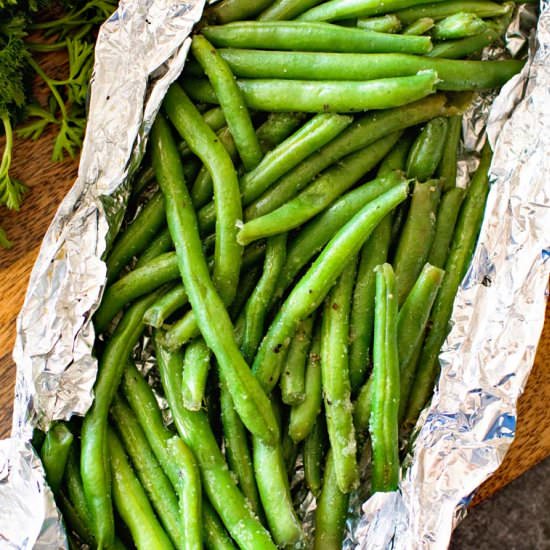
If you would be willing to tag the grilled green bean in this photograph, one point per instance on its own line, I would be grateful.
(166, 305)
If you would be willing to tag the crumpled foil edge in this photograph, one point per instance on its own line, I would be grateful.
(498, 316)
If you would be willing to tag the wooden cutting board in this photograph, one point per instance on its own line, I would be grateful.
(48, 183)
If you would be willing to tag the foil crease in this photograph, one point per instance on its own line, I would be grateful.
(498, 316)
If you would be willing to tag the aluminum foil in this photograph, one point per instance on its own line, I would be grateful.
(487, 357)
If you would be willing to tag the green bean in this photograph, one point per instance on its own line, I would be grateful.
(215, 536)
(458, 25)
(136, 283)
(247, 285)
(161, 243)
(364, 131)
(396, 159)
(293, 383)
(276, 128)
(74, 523)
(427, 150)
(304, 415)
(335, 96)
(411, 325)
(419, 27)
(131, 501)
(336, 380)
(189, 490)
(362, 407)
(203, 142)
(95, 467)
(440, 10)
(165, 306)
(257, 305)
(448, 165)
(312, 289)
(54, 454)
(233, 10)
(314, 452)
(343, 9)
(384, 23)
(317, 37)
(149, 472)
(447, 215)
(234, 109)
(273, 486)
(209, 311)
(385, 389)
(237, 451)
(461, 48)
(137, 236)
(373, 253)
(467, 229)
(194, 429)
(455, 75)
(417, 237)
(309, 138)
(319, 194)
(195, 372)
(285, 10)
(331, 511)
(75, 490)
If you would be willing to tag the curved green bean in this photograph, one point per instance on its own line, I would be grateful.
(455, 49)
(161, 243)
(458, 25)
(55, 453)
(440, 10)
(165, 306)
(389, 23)
(196, 365)
(427, 150)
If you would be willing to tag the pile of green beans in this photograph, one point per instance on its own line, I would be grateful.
(291, 268)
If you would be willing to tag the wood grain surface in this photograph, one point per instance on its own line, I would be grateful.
(48, 183)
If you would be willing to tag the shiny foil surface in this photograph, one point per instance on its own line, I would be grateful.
(497, 318)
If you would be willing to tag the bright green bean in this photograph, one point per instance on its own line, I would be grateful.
(161, 243)
(411, 325)
(447, 168)
(231, 101)
(234, 10)
(312, 289)
(335, 379)
(293, 382)
(189, 491)
(458, 25)
(455, 49)
(165, 306)
(316, 37)
(196, 365)
(419, 27)
(319, 194)
(55, 453)
(440, 10)
(209, 311)
(131, 501)
(467, 229)
(384, 23)
(331, 511)
(417, 237)
(314, 452)
(284, 10)
(383, 424)
(427, 150)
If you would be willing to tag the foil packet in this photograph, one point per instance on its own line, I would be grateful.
(497, 317)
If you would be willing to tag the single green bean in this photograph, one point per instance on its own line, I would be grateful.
(247, 285)
(411, 325)
(383, 423)
(314, 452)
(54, 454)
(331, 511)
(148, 470)
(334, 96)
(427, 150)
(284, 10)
(161, 243)
(165, 306)
(277, 127)
(189, 491)
(417, 237)
(210, 314)
(196, 365)
(231, 101)
(419, 27)
(234, 10)
(136, 283)
(214, 534)
(384, 23)
(455, 49)
(336, 380)
(319, 194)
(312, 289)
(131, 501)
(309, 138)
(316, 37)
(362, 407)
(74, 523)
(447, 214)
(303, 417)
(94, 464)
(203, 142)
(440, 10)
(396, 159)
(257, 305)
(447, 168)
(293, 382)
(194, 429)
(464, 240)
(75, 490)
(458, 25)
(364, 131)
